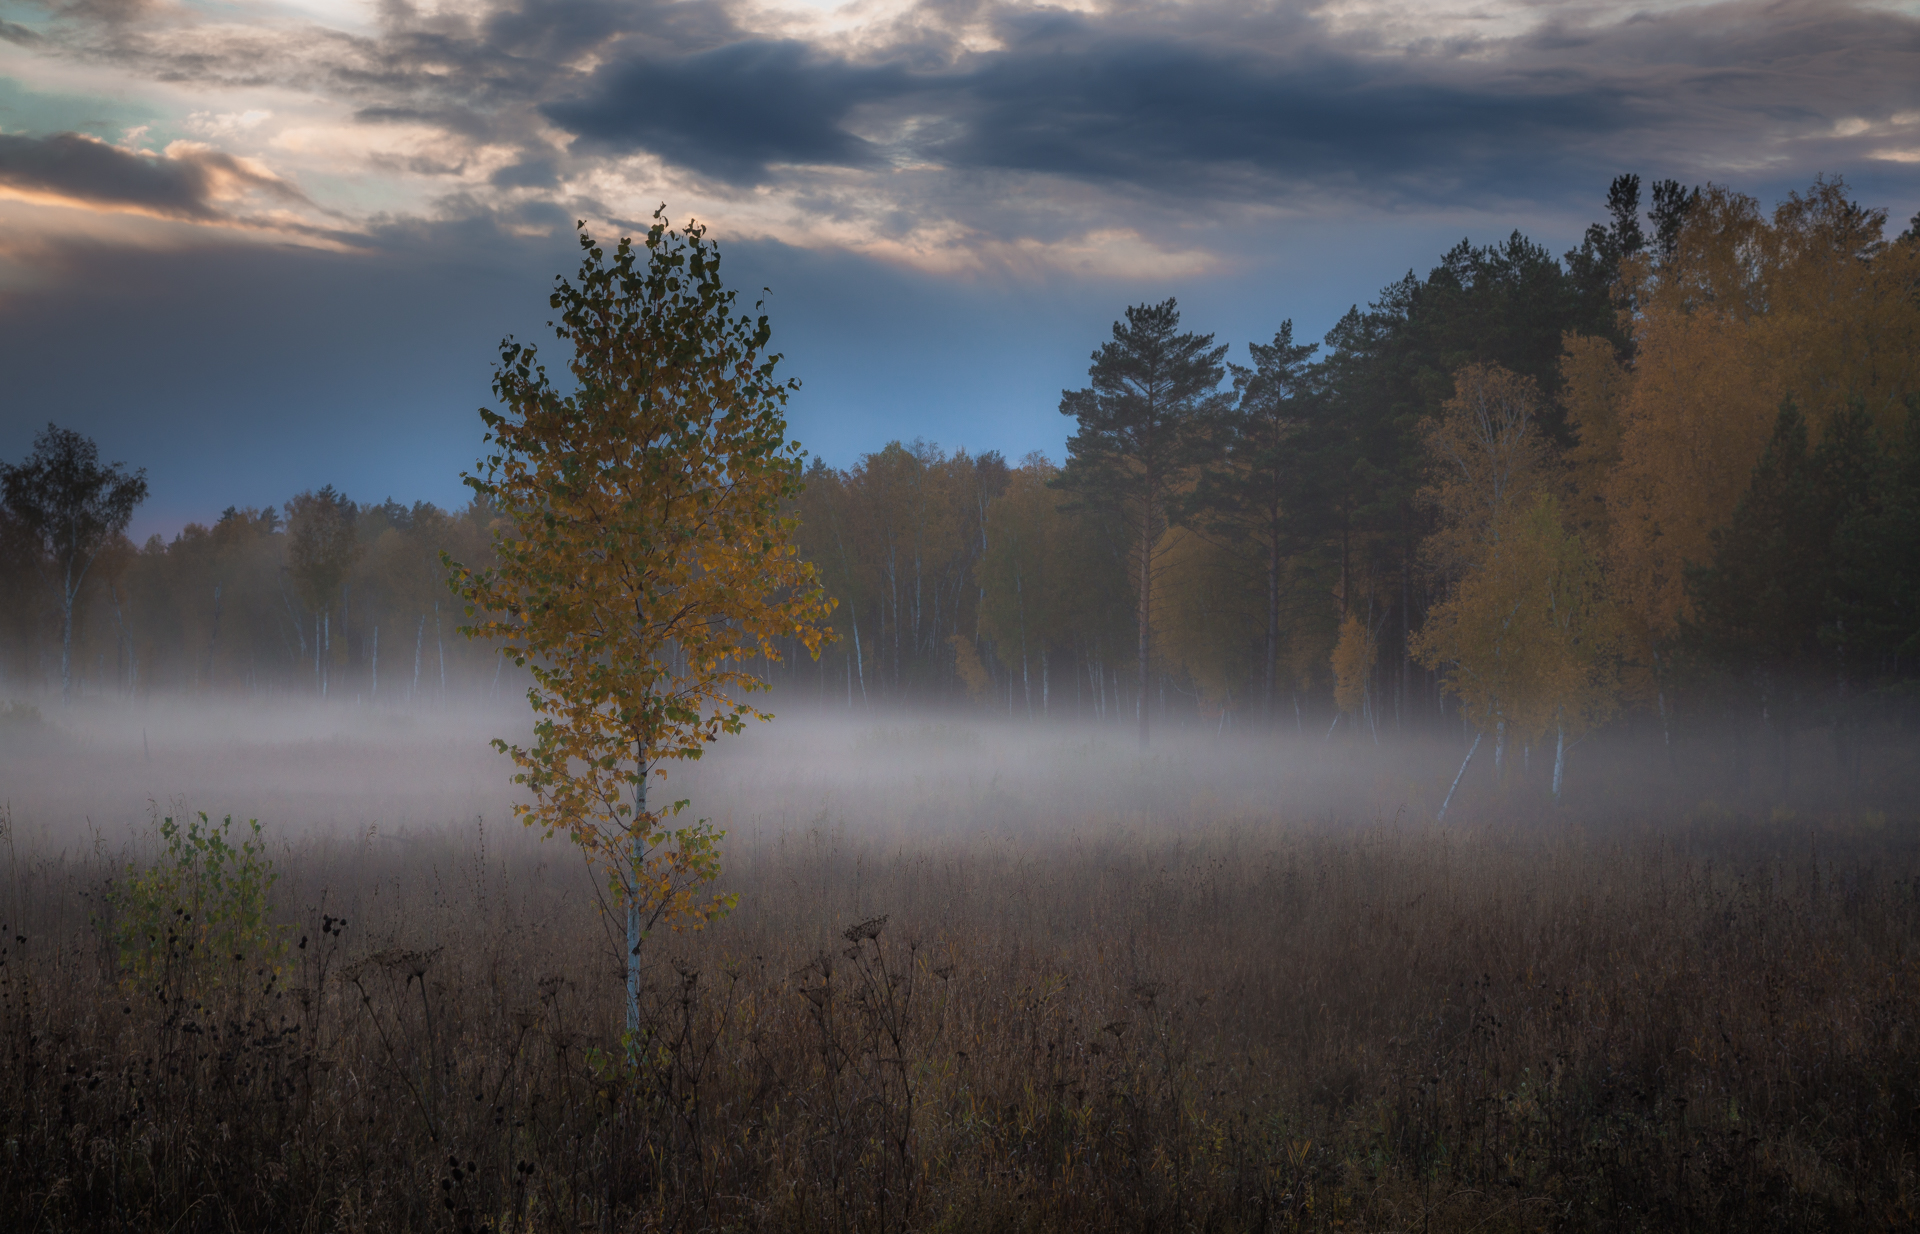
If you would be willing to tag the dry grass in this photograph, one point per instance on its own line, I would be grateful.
(1681, 1024)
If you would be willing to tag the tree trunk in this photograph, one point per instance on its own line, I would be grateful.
(1442, 816)
(1026, 686)
(124, 670)
(66, 635)
(1146, 605)
(374, 692)
(441, 646)
(1559, 758)
(633, 900)
(419, 637)
(1273, 619)
(859, 662)
(213, 639)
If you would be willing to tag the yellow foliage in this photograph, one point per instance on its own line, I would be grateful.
(1353, 659)
(1747, 311)
(642, 554)
(1594, 385)
(1528, 638)
(967, 662)
(1206, 603)
(1485, 453)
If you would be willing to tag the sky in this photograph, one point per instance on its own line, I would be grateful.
(257, 246)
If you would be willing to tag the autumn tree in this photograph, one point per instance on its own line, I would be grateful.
(1528, 640)
(69, 507)
(1485, 454)
(1526, 636)
(1744, 311)
(642, 557)
(1143, 425)
(1353, 660)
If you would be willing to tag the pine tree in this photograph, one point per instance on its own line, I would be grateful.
(1757, 604)
(1144, 424)
(1877, 567)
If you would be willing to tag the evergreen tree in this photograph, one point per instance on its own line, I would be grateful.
(1144, 424)
(1757, 605)
(1877, 566)
(1765, 606)
(1252, 498)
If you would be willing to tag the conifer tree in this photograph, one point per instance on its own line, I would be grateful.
(1877, 566)
(1253, 496)
(1144, 424)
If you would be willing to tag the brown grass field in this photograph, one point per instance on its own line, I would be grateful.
(980, 978)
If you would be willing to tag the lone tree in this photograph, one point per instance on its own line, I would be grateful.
(1145, 423)
(642, 558)
(71, 507)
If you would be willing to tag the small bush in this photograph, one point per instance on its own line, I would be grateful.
(195, 919)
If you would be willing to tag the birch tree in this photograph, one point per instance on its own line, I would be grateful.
(643, 557)
(71, 507)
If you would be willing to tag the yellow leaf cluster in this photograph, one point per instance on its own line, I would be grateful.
(1353, 659)
(1204, 604)
(1484, 451)
(1528, 637)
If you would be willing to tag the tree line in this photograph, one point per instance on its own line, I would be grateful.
(321, 597)
(1675, 469)
(1672, 472)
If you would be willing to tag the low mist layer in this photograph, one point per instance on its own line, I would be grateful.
(98, 771)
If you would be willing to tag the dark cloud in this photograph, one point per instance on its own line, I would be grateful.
(732, 111)
(81, 168)
(19, 35)
(1217, 98)
(1244, 105)
(533, 172)
(1179, 119)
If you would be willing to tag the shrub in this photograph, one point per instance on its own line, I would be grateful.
(197, 919)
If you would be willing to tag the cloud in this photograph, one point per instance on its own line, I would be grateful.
(1241, 104)
(733, 111)
(949, 131)
(1180, 119)
(184, 183)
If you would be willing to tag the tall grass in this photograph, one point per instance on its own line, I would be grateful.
(1701, 1023)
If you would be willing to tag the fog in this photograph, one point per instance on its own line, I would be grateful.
(95, 775)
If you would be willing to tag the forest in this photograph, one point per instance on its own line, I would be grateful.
(1207, 952)
(1672, 475)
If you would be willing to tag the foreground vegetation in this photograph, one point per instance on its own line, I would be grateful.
(1699, 1023)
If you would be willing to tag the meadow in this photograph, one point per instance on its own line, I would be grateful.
(981, 976)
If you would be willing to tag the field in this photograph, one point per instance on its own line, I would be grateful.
(981, 977)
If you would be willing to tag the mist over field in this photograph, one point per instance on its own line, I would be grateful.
(96, 772)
